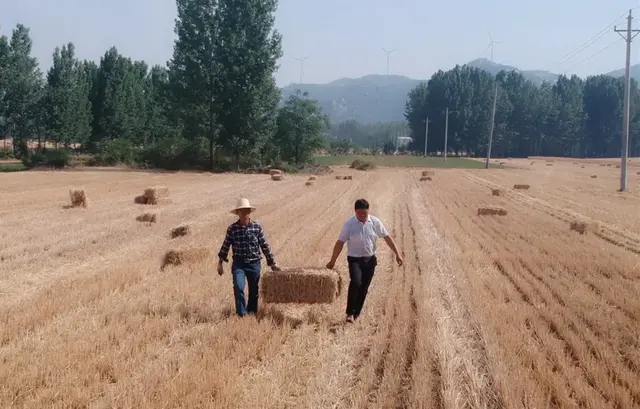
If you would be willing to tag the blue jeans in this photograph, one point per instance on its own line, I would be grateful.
(249, 272)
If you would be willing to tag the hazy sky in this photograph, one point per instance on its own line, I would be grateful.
(344, 38)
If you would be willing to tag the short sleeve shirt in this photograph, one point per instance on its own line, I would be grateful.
(361, 237)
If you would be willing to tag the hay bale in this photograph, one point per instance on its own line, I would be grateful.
(187, 256)
(582, 166)
(503, 163)
(338, 177)
(549, 164)
(301, 285)
(78, 198)
(275, 172)
(617, 166)
(521, 187)
(531, 163)
(491, 211)
(638, 173)
(308, 183)
(427, 173)
(496, 192)
(580, 227)
(154, 196)
(277, 176)
(147, 217)
(425, 178)
(180, 231)
(350, 177)
(142, 199)
(594, 176)
(312, 177)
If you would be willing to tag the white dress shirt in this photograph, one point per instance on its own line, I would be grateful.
(361, 237)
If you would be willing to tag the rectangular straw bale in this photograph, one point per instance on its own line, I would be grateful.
(312, 177)
(496, 192)
(156, 192)
(275, 172)
(580, 227)
(309, 183)
(350, 177)
(338, 177)
(195, 255)
(147, 217)
(180, 231)
(425, 178)
(427, 173)
(277, 176)
(78, 198)
(594, 176)
(521, 187)
(301, 285)
(491, 211)
(158, 201)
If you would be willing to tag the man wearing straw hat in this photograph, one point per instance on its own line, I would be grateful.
(247, 239)
(360, 232)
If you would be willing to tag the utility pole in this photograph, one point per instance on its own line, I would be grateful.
(630, 34)
(446, 133)
(301, 65)
(426, 135)
(493, 118)
(388, 54)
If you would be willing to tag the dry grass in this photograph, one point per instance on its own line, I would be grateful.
(493, 312)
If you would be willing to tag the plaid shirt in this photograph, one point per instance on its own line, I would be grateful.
(247, 242)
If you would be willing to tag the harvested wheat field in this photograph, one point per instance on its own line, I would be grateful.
(516, 311)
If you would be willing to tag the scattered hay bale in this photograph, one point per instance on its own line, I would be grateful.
(309, 183)
(427, 173)
(503, 163)
(350, 177)
(425, 178)
(301, 285)
(78, 198)
(338, 177)
(277, 176)
(491, 211)
(496, 192)
(180, 231)
(580, 227)
(275, 172)
(187, 256)
(521, 187)
(361, 165)
(531, 163)
(549, 164)
(582, 166)
(638, 173)
(594, 176)
(147, 217)
(617, 166)
(154, 196)
(312, 177)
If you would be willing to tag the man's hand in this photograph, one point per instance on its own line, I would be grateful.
(399, 260)
(331, 264)
(220, 268)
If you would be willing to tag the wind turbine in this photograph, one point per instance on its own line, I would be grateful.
(490, 46)
(301, 66)
(388, 54)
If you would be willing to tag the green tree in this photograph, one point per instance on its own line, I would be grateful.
(23, 88)
(301, 126)
(246, 96)
(192, 71)
(67, 108)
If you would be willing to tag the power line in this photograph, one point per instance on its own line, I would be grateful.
(587, 43)
(594, 55)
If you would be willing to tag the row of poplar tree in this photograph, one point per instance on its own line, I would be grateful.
(572, 117)
(215, 103)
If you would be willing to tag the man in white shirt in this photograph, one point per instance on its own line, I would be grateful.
(360, 232)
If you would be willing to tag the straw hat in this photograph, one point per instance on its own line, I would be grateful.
(242, 203)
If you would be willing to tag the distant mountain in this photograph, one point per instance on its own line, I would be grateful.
(634, 72)
(535, 76)
(374, 98)
(368, 99)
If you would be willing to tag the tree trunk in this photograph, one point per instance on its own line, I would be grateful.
(211, 153)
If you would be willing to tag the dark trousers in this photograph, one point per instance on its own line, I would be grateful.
(250, 273)
(361, 270)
